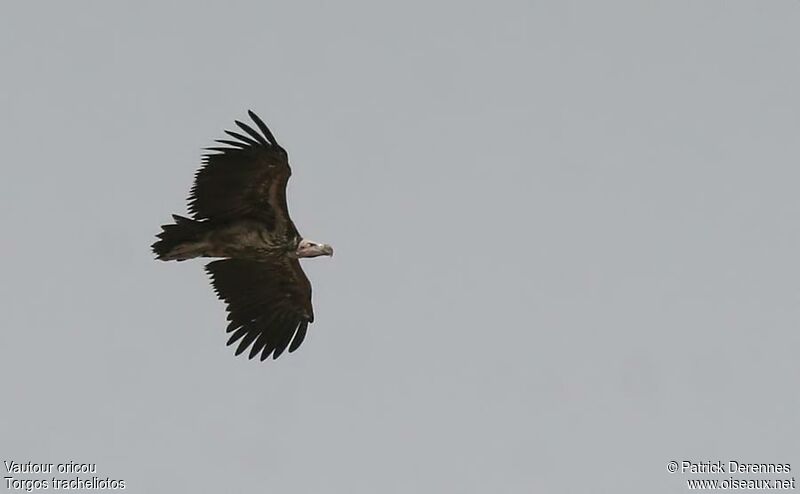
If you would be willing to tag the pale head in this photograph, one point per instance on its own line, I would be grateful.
(309, 248)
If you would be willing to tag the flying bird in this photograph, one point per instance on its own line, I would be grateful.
(239, 214)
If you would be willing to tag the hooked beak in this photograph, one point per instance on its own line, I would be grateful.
(308, 248)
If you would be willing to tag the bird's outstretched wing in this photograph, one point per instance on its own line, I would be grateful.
(269, 303)
(245, 177)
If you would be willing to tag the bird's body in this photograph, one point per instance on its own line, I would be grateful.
(238, 204)
(241, 239)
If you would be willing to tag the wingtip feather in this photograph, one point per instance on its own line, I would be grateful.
(263, 127)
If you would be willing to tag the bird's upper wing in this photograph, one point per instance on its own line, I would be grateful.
(246, 177)
(269, 303)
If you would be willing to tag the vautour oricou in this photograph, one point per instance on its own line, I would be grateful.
(239, 215)
(35, 467)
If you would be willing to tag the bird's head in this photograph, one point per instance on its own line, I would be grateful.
(309, 248)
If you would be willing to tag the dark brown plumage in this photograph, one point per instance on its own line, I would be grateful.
(239, 213)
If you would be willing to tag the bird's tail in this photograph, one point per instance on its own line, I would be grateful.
(180, 240)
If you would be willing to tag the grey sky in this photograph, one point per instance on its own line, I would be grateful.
(566, 241)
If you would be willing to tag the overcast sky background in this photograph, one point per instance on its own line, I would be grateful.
(566, 241)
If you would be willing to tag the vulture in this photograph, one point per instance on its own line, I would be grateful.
(239, 215)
